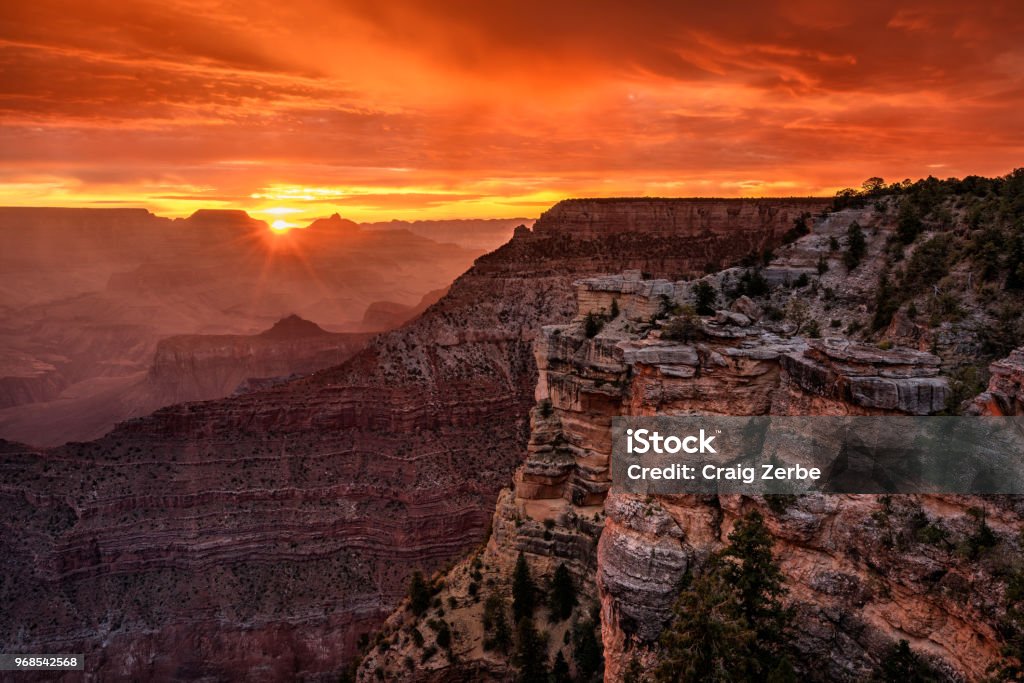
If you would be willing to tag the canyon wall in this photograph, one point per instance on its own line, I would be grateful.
(858, 576)
(863, 571)
(264, 533)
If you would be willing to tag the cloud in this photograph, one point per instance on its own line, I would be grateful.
(476, 107)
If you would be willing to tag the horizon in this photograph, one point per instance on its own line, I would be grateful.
(469, 111)
(312, 219)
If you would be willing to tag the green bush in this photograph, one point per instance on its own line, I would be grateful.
(592, 325)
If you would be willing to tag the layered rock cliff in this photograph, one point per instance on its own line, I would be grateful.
(263, 534)
(863, 572)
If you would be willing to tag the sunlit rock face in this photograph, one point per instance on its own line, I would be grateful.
(264, 533)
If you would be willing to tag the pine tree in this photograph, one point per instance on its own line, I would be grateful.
(705, 297)
(730, 623)
(709, 639)
(856, 246)
(419, 594)
(523, 591)
(563, 594)
(586, 650)
(749, 566)
(497, 635)
(529, 657)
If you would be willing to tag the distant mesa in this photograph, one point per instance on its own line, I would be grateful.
(221, 219)
(335, 223)
(293, 327)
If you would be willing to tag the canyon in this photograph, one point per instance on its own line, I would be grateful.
(88, 295)
(266, 532)
(863, 572)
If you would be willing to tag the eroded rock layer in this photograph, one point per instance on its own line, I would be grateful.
(861, 570)
(264, 533)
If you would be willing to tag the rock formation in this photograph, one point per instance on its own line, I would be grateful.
(264, 533)
(863, 571)
(202, 367)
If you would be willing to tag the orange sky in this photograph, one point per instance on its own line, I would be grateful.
(459, 108)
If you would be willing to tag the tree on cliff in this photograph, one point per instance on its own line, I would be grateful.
(530, 655)
(705, 297)
(709, 640)
(419, 594)
(524, 593)
(586, 648)
(751, 569)
(562, 599)
(856, 246)
(730, 623)
(592, 325)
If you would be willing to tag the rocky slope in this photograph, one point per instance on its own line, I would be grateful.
(863, 571)
(265, 533)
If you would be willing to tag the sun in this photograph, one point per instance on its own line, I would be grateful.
(281, 225)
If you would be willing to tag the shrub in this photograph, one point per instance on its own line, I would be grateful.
(903, 665)
(592, 325)
(705, 297)
(419, 594)
(684, 328)
(752, 283)
(856, 246)
(798, 230)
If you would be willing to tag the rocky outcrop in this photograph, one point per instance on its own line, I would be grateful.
(859, 573)
(270, 530)
(863, 572)
(202, 367)
(1005, 393)
(839, 377)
